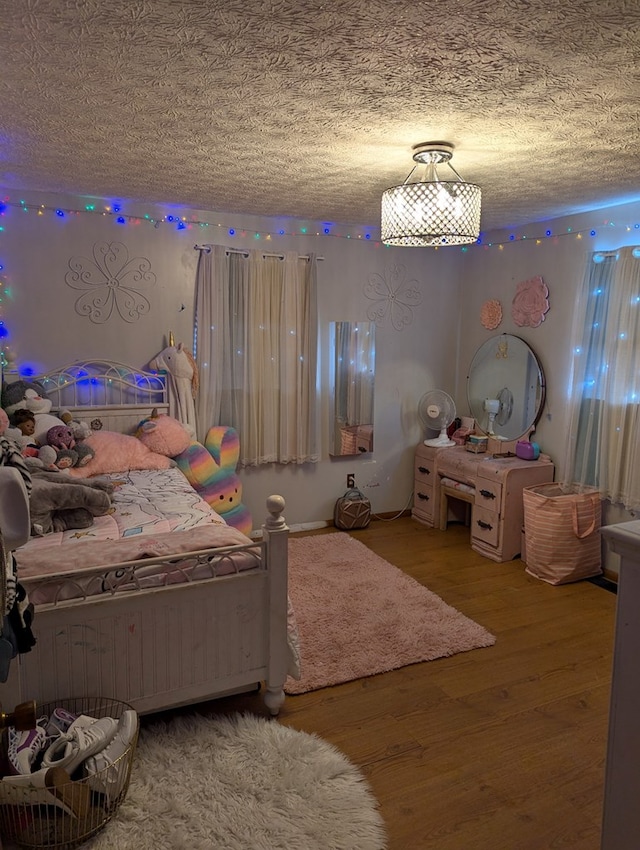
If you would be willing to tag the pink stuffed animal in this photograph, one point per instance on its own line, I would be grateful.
(163, 434)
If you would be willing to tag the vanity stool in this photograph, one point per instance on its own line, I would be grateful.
(450, 489)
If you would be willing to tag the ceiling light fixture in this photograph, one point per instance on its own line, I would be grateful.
(427, 211)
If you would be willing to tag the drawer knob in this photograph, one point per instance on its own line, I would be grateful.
(424, 470)
(423, 496)
(487, 494)
(486, 525)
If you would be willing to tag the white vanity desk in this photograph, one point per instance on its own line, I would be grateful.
(493, 487)
(621, 816)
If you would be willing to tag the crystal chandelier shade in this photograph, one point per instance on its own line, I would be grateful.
(429, 211)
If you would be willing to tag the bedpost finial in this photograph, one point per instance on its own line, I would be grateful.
(275, 506)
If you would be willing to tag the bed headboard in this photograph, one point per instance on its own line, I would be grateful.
(116, 394)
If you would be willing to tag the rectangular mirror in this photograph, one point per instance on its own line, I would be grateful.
(353, 348)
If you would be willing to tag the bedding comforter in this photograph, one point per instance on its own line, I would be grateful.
(154, 514)
(144, 501)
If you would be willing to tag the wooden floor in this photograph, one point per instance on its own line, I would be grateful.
(500, 748)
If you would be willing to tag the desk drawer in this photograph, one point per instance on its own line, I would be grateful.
(488, 494)
(423, 499)
(424, 472)
(485, 525)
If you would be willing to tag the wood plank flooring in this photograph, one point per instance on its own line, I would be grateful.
(501, 748)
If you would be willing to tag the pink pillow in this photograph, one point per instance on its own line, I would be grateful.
(118, 453)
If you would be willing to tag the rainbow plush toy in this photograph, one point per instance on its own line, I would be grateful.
(211, 471)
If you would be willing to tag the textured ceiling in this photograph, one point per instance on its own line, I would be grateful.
(310, 108)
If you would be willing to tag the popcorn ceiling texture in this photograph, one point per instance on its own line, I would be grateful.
(310, 109)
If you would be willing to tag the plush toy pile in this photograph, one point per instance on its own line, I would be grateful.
(55, 441)
(56, 501)
(42, 444)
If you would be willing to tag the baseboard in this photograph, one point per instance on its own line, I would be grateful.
(387, 515)
(256, 534)
(310, 526)
(392, 514)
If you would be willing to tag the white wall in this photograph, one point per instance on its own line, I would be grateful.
(433, 350)
(46, 331)
(495, 269)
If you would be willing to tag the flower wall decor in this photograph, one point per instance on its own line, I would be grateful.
(530, 303)
(392, 296)
(110, 279)
(491, 314)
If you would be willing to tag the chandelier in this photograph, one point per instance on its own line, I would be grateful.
(427, 211)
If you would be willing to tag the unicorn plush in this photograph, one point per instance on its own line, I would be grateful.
(182, 371)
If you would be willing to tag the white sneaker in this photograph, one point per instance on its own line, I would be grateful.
(42, 787)
(23, 748)
(86, 737)
(107, 771)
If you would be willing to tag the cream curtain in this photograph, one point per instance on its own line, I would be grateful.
(603, 448)
(256, 350)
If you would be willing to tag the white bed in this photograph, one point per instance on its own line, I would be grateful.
(186, 616)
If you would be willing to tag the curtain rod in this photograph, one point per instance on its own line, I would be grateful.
(207, 250)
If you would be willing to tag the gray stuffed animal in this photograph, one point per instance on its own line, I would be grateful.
(59, 502)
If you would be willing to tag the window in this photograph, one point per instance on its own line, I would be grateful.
(256, 320)
(604, 430)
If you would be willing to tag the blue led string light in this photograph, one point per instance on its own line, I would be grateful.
(325, 229)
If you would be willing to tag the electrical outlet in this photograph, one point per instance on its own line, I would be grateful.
(351, 481)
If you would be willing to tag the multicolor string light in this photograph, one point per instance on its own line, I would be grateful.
(182, 222)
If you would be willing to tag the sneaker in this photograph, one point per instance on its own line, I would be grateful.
(43, 787)
(107, 771)
(24, 747)
(59, 722)
(85, 737)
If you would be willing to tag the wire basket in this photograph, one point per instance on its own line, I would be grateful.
(60, 815)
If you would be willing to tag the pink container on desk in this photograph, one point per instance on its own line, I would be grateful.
(527, 451)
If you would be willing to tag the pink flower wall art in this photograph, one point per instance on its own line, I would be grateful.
(530, 303)
(491, 314)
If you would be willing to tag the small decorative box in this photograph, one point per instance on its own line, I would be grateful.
(476, 444)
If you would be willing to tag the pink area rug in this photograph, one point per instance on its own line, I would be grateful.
(358, 615)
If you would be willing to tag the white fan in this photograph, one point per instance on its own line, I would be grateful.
(437, 410)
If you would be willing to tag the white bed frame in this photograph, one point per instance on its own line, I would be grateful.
(161, 647)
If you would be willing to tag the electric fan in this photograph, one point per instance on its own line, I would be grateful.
(498, 409)
(437, 410)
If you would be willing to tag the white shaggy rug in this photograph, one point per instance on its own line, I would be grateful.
(241, 783)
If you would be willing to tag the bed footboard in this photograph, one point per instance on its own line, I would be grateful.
(167, 646)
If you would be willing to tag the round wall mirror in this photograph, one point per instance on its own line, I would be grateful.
(505, 387)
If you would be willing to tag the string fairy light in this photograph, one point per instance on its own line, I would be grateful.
(181, 222)
(7, 356)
